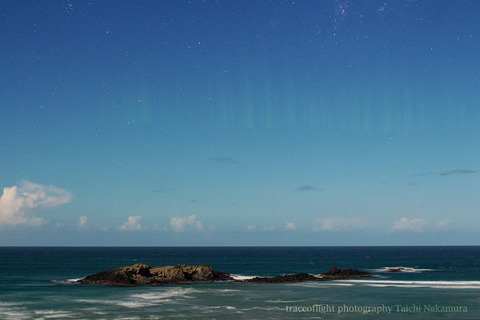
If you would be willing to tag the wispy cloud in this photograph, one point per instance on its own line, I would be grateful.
(340, 224)
(222, 160)
(306, 187)
(447, 172)
(415, 224)
(82, 221)
(290, 226)
(132, 224)
(182, 224)
(19, 204)
(251, 227)
(444, 224)
(455, 172)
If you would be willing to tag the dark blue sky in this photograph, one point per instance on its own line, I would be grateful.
(239, 122)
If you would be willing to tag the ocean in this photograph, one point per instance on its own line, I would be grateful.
(437, 283)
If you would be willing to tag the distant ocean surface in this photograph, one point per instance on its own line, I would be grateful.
(440, 283)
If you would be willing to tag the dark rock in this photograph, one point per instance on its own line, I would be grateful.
(337, 273)
(333, 274)
(141, 275)
(299, 277)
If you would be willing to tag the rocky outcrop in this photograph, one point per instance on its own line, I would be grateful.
(336, 273)
(141, 274)
(333, 274)
(299, 277)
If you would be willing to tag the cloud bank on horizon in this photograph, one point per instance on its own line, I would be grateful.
(181, 224)
(22, 205)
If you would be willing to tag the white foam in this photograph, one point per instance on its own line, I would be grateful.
(13, 311)
(88, 300)
(321, 284)
(14, 315)
(155, 298)
(417, 284)
(401, 269)
(281, 301)
(67, 281)
(475, 285)
(242, 277)
(169, 293)
(53, 314)
(148, 299)
(9, 304)
(216, 309)
(228, 290)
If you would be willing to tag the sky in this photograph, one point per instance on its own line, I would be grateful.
(239, 123)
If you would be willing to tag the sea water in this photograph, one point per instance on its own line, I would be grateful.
(436, 283)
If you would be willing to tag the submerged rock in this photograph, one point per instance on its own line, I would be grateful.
(141, 274)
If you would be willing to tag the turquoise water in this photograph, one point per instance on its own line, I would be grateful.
(441, 283)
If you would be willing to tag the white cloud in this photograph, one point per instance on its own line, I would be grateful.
(444, 224)
(181, 224)
(340, 224)
(19, 203)
(132, 224)
(251, 227)
(415, 224)
(82, 221)
(290, 226)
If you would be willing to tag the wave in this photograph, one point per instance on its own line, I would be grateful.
(416, 284)
(473, 285)
(148, 299)
(13, 311)
(51, 314)
(281, 301)
(242, 277)
(17, 311)
(67, 281)
(400, 269)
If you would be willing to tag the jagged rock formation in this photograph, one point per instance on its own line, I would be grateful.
(141, 274)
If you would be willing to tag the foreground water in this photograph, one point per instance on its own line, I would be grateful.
(439, 283)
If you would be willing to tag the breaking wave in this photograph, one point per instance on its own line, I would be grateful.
(401, 269)
(67, 281)
(242, 277)
(416, 284)
(148, 299)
